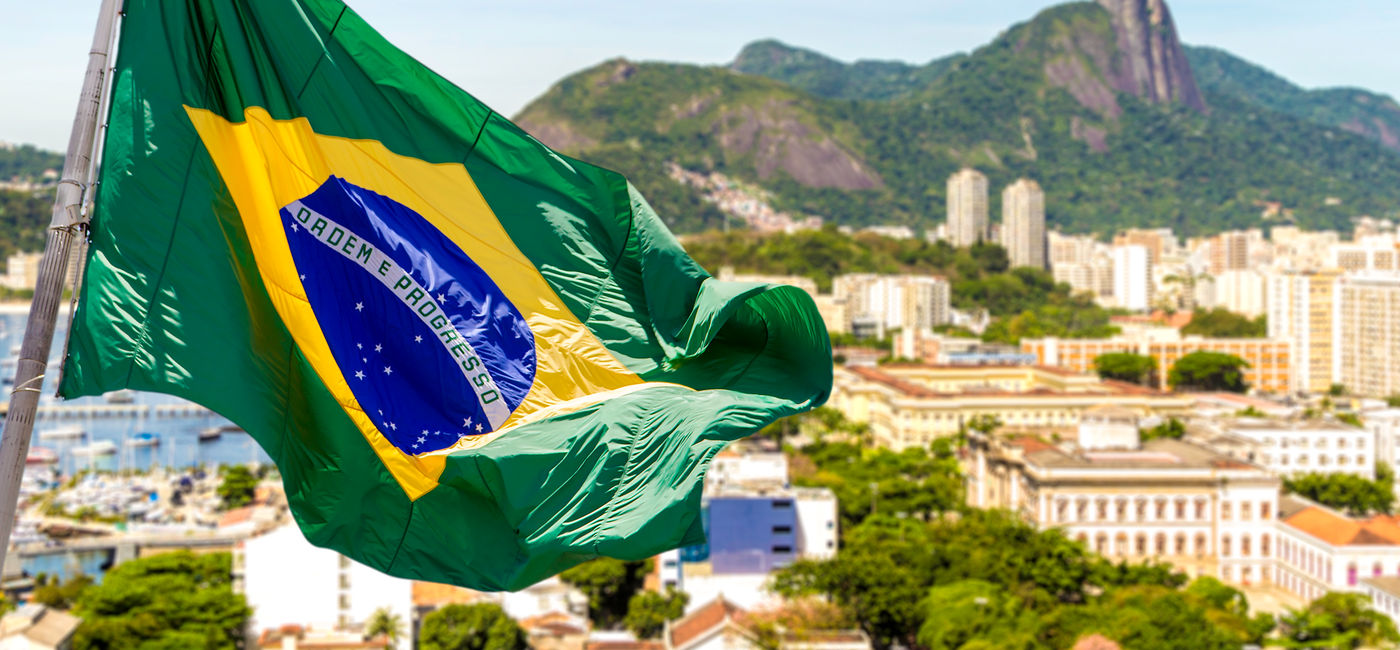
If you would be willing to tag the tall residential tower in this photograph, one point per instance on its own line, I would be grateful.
(967, 208)
(1023, 223)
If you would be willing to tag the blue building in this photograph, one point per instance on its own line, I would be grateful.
(751, 534)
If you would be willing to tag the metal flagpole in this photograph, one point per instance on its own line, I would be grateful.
(68, 218)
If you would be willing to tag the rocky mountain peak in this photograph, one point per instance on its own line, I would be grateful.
(1153, 65)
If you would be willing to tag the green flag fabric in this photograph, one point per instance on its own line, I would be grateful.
(474, 360)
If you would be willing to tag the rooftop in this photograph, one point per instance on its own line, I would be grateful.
(915, 389)
(1162, 453)
(1336, 529)
(1386, 584)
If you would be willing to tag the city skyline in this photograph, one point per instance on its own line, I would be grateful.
(530, 46)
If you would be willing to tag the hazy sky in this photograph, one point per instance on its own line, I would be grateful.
(507, 53)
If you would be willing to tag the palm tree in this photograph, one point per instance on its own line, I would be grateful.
(385, 623)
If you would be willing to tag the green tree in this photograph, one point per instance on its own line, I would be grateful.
(1208, 371)
(976, 613)
(172, 600)
(1172, 428)
(1224, 324)
(648, 611)
(1150, 617)
(1126, 366)
(238, 487)
(1348, 492)
(48, 591)
(609, 584)
(1337, 621)
(384, 622)
(483, 626)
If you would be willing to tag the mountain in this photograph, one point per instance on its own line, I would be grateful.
(1099, 102)
(824, 76)
(1362, 112)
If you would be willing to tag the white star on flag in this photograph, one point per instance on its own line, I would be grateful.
(393, 426)
(295, 229)
(441, 297)
(303, 277)
(388, 370)
(359, 374)
(418, 339)
(421, 440)
(359, 306)
(378, 347)
(467, 422)
(478, 428)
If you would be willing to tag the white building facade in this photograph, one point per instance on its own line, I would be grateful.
(1132, 277)
(1023, 223)
(967, 208)
(287, 581)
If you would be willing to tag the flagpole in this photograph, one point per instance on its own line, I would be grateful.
(68, 218)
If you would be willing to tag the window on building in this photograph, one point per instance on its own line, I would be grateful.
(1180, 544)
(1181, 509)
(1200, 509)
(1161, 509)
(1341, 443)
(782, 548)
(1225, 545)
(1225, 573)
(1376, 570)
(1361, 460)
(1245, 546)
(1103, 510)
(1161, 545)
(782, 529)
(1141, 511)
(1246, 512)
(1264, 545)
(1201, 548)
(781, 504)
(1225, 511)
(1140, 547)
(1351, 574)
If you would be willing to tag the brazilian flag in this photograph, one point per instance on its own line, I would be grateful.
(473, 359)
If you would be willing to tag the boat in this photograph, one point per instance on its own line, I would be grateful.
(41, 456)
(95, 448)
(211, 434)
(70, 431)
(144, 439)
(120, 396)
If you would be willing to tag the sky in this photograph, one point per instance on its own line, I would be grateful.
(507, 53)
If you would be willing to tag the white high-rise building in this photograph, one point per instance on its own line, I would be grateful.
(1023, 223)
(1241, 291)
(1132, 277)
(967, 208)
(288, 581)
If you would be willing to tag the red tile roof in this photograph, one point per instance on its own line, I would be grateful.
(1337, 530)
(702, 620)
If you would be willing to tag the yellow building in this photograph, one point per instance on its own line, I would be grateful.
(1368, 334)
(909, 405)
(1300, 312)
(1270, 360)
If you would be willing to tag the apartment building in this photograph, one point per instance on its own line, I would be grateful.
(967, 208)
(1270, 360)
(1367, 334)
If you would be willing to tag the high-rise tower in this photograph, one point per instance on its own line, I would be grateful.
(1023, 223)
(967, 208)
